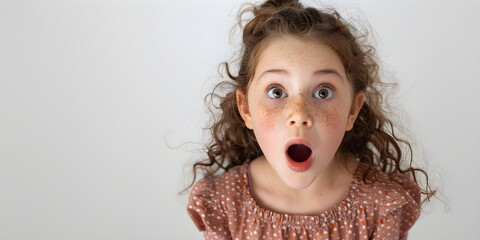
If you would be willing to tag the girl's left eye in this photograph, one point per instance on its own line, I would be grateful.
(323, 93)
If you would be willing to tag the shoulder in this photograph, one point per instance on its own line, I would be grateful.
(230, 183)
(389, 193)
(211, 199)
(392, 198)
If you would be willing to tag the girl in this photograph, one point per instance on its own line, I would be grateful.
(306, 147)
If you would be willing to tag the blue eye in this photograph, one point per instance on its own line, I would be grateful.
(323, 93)
(276, 92)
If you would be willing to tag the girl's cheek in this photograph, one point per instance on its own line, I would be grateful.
(268, 116)
(267, 125)
(329, 118)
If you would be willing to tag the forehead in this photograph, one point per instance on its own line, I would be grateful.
(297, 54)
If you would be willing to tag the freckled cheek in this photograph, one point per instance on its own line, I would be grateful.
(266, 127)
(331, 129)
(266, 118)
(331, 119)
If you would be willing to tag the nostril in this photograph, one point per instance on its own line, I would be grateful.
(304, 123)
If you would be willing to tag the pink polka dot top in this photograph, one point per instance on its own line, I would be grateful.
(223, 207)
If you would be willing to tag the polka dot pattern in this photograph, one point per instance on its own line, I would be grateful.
(224, 208)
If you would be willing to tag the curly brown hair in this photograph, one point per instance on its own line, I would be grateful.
(372, 139)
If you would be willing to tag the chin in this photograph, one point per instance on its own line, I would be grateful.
(298, 182)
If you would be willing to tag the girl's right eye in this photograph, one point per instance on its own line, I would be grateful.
(276, 92)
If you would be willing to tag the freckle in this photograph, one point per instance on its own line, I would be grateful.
(267, 116)
(329, 118)
(264, 109)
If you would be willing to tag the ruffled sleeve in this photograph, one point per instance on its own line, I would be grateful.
(205, 211)
(399, 210)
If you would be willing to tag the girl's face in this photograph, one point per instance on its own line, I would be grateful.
(299, 105)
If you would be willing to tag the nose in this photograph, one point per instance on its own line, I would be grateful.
(300, 114)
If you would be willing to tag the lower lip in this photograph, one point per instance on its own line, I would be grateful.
(299, 166)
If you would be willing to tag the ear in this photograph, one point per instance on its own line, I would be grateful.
(242, 106)
(355, 109)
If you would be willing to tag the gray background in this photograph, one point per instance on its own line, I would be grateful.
(91, 93)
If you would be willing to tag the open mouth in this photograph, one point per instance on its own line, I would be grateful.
(299, 152)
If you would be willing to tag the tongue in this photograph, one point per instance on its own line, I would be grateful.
(299, 152)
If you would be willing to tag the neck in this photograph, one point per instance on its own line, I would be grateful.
(321, 186)
(326, 191)
(331, 182)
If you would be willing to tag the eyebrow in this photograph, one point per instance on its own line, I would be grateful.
(319, 72)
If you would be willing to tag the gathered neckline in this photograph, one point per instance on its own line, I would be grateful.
(340, 211)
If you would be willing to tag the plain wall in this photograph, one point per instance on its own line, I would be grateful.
(97, 99)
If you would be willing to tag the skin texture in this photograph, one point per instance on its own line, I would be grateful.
(296, 69)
